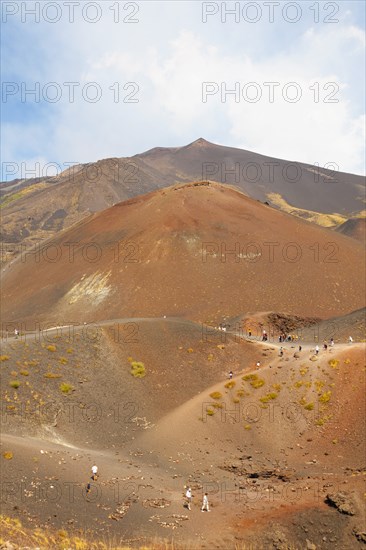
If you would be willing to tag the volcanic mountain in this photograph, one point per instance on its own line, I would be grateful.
(354, 227)
(35, 209)
(202, 251)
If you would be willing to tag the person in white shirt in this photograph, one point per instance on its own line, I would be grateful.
(94, 472)
(205, 505)
(189, 497)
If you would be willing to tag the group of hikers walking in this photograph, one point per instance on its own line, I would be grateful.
(205, 506)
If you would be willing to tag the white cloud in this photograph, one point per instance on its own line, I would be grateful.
(169, 55)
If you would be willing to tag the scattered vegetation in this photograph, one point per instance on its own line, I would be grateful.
(309, 406)
(51, 347)
(334, 363)
(268, 397)
(231, 384)
(257, 383)
(14, 384)
(325, 397)
(4, 357)
(24, 373)
(66, 388)
(138, 369)
(248, 377)
(8, 455)
(216, 395)
(319, 385)
(52, 375)
(254, 381)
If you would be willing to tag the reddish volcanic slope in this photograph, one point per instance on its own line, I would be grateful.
(201, 250)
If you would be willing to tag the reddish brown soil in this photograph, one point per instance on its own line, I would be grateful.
(165, 254)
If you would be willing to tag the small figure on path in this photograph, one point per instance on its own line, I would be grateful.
(94, 472)
(189, 497)
(205, 506)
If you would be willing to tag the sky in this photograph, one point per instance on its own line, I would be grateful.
(82, 81)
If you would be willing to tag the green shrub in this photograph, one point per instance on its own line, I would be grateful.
(215, 395)
(248, 377)
(8, 455)
(66, 388)
(229, 385)
(268, 397)
(325, 397)
(51, 347)
(138, 369)
(14, 384)
(257, 383)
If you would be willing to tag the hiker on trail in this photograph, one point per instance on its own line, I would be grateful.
(300, 348)
(16, 333)
(325, 346)
(316, 349)
(189, 497)
(332, 342)
(281, 351)
(249, 332)
(88, 488)
(350, 339)
(258, 364)
(230, 375)
(94, 472)
(205, 505)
